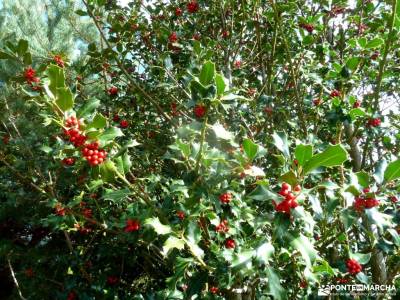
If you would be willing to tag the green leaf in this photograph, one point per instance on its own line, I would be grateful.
(116, 195)
(27, 58)
(380, 170)
(303, 153)
(363, 278)
(395, 235)
(65, 99)
(108, 171)
(221, 132)
(306, 249)
(89, 107)
(274, 285)
(289, 177)
(250, 149)
(352, 63)
(392, 171)
(356, 112)
(22, 47)
(5, 55)
(363, 178)
(362, 258)
(57, 80)
(324, 268)
(158, 226)
(172, 243)
(362, 42)
(99, 121)
(110, 134)
(381, 220)
(281, 142)
(261, 193)
(332, 156)
(207, 73)
(376, 42)
(264, 252)
(81, 12)
(220, 82)
(243, 260)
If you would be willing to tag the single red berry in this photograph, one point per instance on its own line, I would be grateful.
(296, 162)
(230, 243)
(375, 55)
(366, 190)
(192, 7)
(317, 101)
(308, 27)
(59, 61)
(116, 118)
(59, 210)
(357, 104)
(29, 272)
(225, 34)
(113, 91)
(238, 64)
(199, 111)
(393, 199)
(335, 93)
(303, 284)
(173, 37)
(285, 186)
(88, 213)
(180, 214)
(132, 225)
(112, 280)
(71, 296)
(214, 290)
(178, 11)
(124, 124)
(297, 188)
(196, 36)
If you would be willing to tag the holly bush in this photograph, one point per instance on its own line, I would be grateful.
(205, 150)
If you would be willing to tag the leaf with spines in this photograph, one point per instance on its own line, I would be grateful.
(330, 157)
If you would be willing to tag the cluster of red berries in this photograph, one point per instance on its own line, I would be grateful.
(237, 64)
(374, 122)
(180, 214)
(93, 155)
(30, 76)
(68, 161)
(289, 200)
(317, 101)
(174, 109)
(363, 201)
(73, 125)
(225, 198)
(353, 266)
(199, 111)
(308, 27)
(393, 199)
(192, 7)
(230, 243)
(335, 93)
(132, 225)
(222, 227)
(59, 61)
(113, 91)
(214, 290)
(59, 210)
(178, 11)
(112, 280)
(342, 280)
(173, 37)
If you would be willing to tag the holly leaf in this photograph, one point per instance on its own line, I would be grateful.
(303, 153)
(158, 226)
(331, 156)
(281, 142)
(172, 243)
(207, 73)
(250, 149)
(64, 99)
(392, 171)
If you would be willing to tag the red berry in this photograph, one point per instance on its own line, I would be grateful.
(113, 91)
(297, 188)
(225, 198)
(29, 272)
(335, 93)
(393, 199)
(225, 34)
(59, 61)
(199, 111)
(238, 64)
(357, 104)
(124, 124)
(214, 290)
(268, 110)
(68, 161)
(115, 118)
(132, 225)
(192, 6)
(178, 11)
(173, 37)
(71, 296)
(230, 243)
(180, 214)
(112, 280)
(285, 187)
(375, 55)
(222, 227)
(353, 267)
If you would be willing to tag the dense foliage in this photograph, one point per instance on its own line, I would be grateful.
(204, 150)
